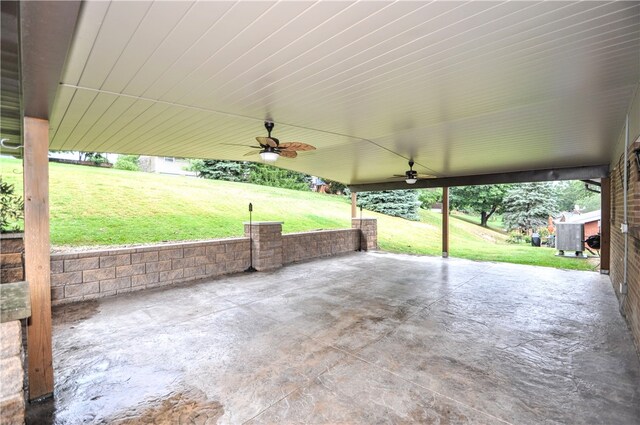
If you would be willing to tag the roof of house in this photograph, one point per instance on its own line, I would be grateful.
(585, 218)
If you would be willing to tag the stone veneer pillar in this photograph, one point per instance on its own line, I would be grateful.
(369, 232)
(266, 244)
(11, 374)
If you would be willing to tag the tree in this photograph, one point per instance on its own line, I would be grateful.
(428, 197)
(572, 193)
(484, 200)
(398, 203)
(529, 205)
(243, 171)
(233, 171)
(268, 175)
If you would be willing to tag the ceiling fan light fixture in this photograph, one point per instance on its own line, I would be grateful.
(269, 156)
(411, 180)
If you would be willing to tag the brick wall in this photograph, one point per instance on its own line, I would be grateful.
(96, 274)
(324, 243)
(632, 301)
(11, 374)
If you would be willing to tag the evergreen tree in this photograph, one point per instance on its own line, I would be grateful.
(268, 175)
(249, 172)
(528, 206)
(484, 200)
(398, 203)
(233, 171)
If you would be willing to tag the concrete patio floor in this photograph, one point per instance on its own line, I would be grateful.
(364, 338)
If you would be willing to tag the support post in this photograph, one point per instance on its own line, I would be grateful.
(37, 251)
(605, 225)
(354, 209)
(445, 222)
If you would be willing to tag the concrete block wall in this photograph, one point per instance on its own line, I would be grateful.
(323, 243)
(369, 228)
(632, 301)
(11, 374)
(96, 274)
(11, 252)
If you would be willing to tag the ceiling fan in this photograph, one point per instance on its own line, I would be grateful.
(411, 176)
(270, 148)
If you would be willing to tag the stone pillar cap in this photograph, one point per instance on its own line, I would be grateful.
(258, 223)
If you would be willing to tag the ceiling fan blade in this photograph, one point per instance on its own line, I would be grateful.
(251, 153)
(426, 176)
(297, 146)
(288, 154)
(268, 141)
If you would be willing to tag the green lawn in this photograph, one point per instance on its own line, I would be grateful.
(99, 206)
(495, 221)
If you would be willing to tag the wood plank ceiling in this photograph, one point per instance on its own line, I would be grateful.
(463, 88)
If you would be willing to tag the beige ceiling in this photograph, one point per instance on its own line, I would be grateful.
(463, 88)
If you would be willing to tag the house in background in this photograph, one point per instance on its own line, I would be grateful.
(165, 165)
(591, 221)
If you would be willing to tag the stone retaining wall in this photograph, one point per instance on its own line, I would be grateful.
(324, 243)
(96, 274)
(11, 252)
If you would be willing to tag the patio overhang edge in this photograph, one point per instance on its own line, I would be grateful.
(528, 176)
(46, 31)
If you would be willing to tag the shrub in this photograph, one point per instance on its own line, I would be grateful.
(515, 237)
(95, 157)
(12, 208)
(128, 162)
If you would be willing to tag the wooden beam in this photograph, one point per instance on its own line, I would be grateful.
(445, 222)
(37, 249)
(354, 209)
(552, 174)
(605, 225)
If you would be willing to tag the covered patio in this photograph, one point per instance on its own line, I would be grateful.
(362, 338)
(462, 93)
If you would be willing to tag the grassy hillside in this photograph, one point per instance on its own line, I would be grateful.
(99, 206)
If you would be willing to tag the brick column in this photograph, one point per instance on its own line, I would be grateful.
(369, 232)
(11, 373)
(266, 244)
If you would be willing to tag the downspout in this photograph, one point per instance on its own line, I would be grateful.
(625, 224)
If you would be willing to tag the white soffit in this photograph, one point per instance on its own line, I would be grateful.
(463, 88)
